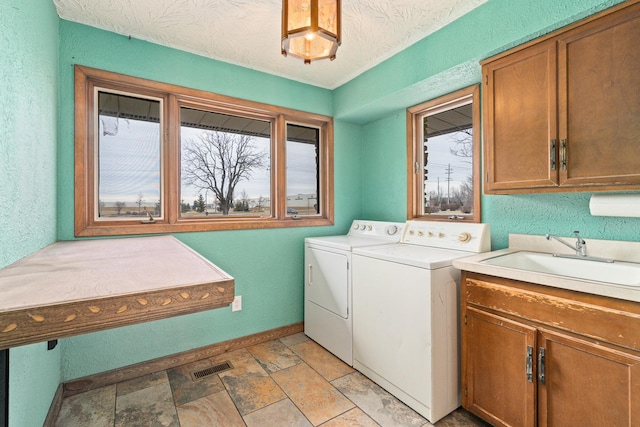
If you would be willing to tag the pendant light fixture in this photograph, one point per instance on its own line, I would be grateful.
(311, 29)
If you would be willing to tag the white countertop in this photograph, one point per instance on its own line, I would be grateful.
(617, 250)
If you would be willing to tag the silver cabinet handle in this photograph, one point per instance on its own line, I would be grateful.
(310, 275)
(529, 364)
(553, 154)
(541, 365)
(563, 154)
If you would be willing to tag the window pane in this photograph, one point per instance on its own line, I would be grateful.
(225, 165)
(302, 170)
(129, 182)
(448, 163)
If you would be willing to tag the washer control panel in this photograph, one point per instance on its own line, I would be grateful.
(390, 230)
(470, 237)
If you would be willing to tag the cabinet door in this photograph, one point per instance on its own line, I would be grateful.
(599, 101)
(520, 119)
(586, 384)
(496, 384)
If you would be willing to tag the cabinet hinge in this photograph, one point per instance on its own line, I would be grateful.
(487, 177)
(486, 79)
(466, 391)
(465, 319)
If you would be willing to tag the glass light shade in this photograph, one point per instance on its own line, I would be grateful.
(311, 29)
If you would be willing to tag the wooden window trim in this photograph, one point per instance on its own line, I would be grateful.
(415, 152)
(85, 225)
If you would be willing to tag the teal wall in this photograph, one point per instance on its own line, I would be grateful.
(385, 168)
(443, 63)
(28, 48)
(36, 161)
(267, 264)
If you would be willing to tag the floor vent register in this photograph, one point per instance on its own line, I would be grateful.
(211, 370)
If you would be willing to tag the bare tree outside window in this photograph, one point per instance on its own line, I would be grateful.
(261, 202)
(462, 145)
(140, 201)
(217, 161)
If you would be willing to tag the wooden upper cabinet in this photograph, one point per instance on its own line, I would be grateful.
(563, 113)
(519, 119)
(599, 100)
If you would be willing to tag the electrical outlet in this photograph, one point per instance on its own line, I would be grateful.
(236, 305)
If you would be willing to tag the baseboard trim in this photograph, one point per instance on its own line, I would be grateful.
(102, 379)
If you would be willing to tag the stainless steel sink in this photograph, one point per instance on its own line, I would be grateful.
(618, 272)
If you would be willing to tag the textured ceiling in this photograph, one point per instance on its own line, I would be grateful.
(247, 32)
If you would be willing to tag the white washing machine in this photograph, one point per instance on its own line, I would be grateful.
(327, 277)
(406, 311)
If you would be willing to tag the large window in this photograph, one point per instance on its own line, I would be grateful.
(443, 147)
(155, 158)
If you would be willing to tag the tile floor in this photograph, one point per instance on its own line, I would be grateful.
(291, 381)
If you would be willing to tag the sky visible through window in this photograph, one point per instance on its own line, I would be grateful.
(129, 165)
(129, 161)
(444, 167)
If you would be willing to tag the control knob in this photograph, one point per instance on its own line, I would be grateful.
(392, 229)
(464, 237)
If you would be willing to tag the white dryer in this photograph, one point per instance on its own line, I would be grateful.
(327, 290)
(405, 313)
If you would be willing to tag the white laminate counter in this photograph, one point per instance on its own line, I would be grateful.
(622, 251)
(75, 287)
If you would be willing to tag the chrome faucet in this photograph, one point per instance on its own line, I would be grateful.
(580, 246)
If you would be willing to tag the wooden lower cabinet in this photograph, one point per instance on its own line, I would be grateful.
(519, 371)
(496, 387)
(586, 384)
